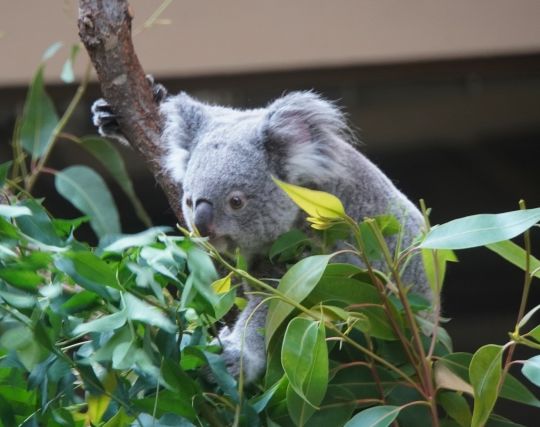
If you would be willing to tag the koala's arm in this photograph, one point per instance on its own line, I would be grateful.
(106, 121)
(244, 343)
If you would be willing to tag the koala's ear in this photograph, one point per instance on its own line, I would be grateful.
(183, 117)
(303, 134)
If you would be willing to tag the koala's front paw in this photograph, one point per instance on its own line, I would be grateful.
(158, 90)
(106, 121)
(252, 360)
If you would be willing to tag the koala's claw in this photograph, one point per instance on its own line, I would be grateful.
(158, 90)
(106, 120)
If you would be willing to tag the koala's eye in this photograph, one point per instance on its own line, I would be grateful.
(237, 201)
(189, 202)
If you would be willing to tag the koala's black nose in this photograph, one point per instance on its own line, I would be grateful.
(204, 217)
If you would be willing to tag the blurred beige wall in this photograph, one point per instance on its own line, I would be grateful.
(208, 37)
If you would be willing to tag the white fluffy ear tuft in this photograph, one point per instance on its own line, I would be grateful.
(182, 117)
(304, 132)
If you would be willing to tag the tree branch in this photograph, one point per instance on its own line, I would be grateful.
(105, 30)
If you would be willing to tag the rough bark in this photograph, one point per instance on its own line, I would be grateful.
(105, 30)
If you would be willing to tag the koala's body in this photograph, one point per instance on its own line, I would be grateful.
(224, 158)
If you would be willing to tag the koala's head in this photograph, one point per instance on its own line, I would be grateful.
(224, 160)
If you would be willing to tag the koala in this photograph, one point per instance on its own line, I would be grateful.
(224, 159)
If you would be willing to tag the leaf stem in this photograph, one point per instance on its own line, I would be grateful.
(524, 297)
(425, 363)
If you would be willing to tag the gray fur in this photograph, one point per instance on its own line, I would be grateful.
(301, 138)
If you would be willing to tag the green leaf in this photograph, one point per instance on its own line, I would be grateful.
(535, 333)
(317, 204)
(304, 357)
(435, 266)
(456, 406)
(480, 230)
(516, 255)
(299, 410)
(65, 227)
(124, 241)
(202, 275)
(485, 373)
(167, 402)
(288, 244)
(79, 302)
(87, 191)
(67, 74)
(38, 225)
(39, 118)
(22, 341)
(124, 355)
(222, 377)
(89, 271)
(512, 389)
(379, 325)
(120, 419)
(51, 50)
(102, 324)
(336, 409)
(109, 157)
(137, 309)
(378, 416)
(531, 370)
(344, 290)
(21, 278)
(9, 211)
(18, 300)
(296, 284)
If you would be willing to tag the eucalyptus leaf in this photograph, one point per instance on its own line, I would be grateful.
(67, 74)
(109, 157)
(124, 241)
(89, 271)
(39, 118)
(299, 409)
(531, 370)
(288, 244)
(9, 211)
(38, 225)
(480, 230)
(511, 389)
(378, 416)
(317, 204)
(87, 191)
(485, 373)
(137, 309)
(296, 284)
(102, 324)
(456, 406)
(304, 358)
(51, 50)
(516, 255)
